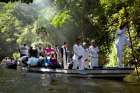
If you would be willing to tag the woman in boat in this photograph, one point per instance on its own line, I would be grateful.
(94, 50)
(53, 60)
(120, 41)
(47, 52)
(78, 57)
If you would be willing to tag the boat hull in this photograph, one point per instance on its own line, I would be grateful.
(102, 72)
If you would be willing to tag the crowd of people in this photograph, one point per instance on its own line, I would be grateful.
(83, 56)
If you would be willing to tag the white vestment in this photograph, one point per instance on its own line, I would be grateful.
(77, 61)
(94, 56)
(120, 41)
(87, 59)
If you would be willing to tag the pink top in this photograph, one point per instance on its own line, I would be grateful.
(48, 51)
(53, 61)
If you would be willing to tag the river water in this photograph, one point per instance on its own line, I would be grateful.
(14, 81)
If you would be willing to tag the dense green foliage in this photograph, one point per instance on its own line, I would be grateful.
(64, 20)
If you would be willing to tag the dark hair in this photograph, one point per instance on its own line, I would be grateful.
(77, 39)
(65, 43)
(24, 44)
(123, 25)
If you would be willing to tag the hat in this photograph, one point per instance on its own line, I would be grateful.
(92, 41)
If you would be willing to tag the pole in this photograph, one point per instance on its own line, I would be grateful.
(132, 48)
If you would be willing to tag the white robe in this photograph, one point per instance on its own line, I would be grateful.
(120, 41)
(94, 56)
(87, 59)
(78, 51)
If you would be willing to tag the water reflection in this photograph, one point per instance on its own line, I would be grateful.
(12, 81)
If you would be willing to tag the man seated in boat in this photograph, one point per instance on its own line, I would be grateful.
(32, 52)
(33, 59)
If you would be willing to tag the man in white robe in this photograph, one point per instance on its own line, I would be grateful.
(120, 41)
(78, 57)
(94, 50)
(87, 62)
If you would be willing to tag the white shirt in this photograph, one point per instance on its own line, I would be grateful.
(87, 53)
(78, 51)
(24, 50)
(93, 51)
(121, 39)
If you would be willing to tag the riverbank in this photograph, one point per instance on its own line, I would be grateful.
(134, 77)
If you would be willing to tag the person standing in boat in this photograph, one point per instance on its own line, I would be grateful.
(120, 41)
(64, 55)
(58, 54)
(94, 50)
(23, 50)
(86, 55)
(78, 57)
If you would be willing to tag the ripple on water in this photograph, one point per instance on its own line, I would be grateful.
(12, 81)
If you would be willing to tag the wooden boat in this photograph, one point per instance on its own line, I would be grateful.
(97, 72)
(11, 65)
